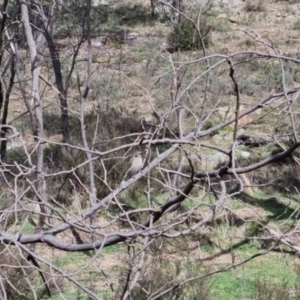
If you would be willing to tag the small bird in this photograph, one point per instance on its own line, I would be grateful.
(136, 166)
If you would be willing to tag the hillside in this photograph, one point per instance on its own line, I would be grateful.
(207, 92)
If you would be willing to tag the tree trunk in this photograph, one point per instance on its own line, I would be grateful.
(36, 110)
(48, 28)
(2, 94)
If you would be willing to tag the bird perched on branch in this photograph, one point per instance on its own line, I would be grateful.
(136, 166)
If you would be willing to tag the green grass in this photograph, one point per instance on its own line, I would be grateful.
(221, 25)
(119, 248)
(14, 155)
(235, 204)
(160, 199)
(241, 283)
(28, 228)
(206, 248)
(71, 258)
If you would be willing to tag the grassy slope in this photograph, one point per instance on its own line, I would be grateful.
(138, 56)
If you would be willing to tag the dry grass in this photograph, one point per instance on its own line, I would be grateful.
(133, 92)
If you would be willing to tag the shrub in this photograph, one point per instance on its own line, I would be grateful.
(268, 290)
(14, 155)
(186, 37)
(254, 6)
(159, 277)
(53, 154)
(221, 25)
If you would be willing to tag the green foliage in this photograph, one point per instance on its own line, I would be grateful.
(75, 258)
(108, 18)
(4, 202)
(62, 31)
(16, 280)
(297, 76)
(259, 73)
(250, 19)
(52, 122)
(131, 16)
(237, 204)
(27, 228)
(207, 248)
(123, 15)
(221, 25)
(291, 68)
(14, 155)
(256, 280)
(53, 153)
(185, 37)
(266, 289)
(252, 229)
(167, 275)
(61, 157)
(256, 75)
